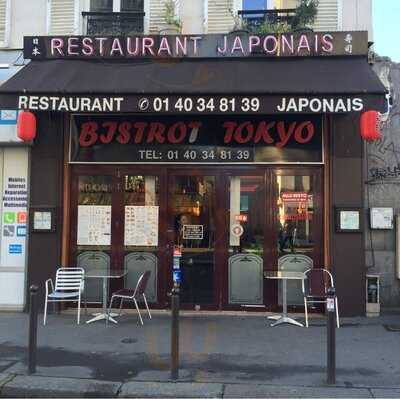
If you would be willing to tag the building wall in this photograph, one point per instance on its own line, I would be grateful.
(382, 171)
(347, 255)
(356, 15)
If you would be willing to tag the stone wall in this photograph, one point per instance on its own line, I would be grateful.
(382, 188)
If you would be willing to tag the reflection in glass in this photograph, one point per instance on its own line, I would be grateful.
(296, 209)
(295, 235)
(246, 210)
(193, 202)
(101, 5)
(132, 5)
(93, 191)
(141, 222)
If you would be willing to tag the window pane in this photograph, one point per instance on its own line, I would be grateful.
(246, 214)
(101, 5)
(132, 5)
(296, 238)
(255, 4)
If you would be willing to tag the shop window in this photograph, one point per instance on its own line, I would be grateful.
(246, 233)
(94, 229)
(193, 206)
(296, 229)
(141, 230)
(246, 239)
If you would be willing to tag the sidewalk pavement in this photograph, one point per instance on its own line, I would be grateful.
(221, 356)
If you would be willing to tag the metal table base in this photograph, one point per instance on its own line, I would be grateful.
(104, 315)
(284, 318)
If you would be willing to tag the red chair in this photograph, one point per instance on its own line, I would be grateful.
(133, 295)
(315, 287)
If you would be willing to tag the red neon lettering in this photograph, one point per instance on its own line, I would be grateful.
(181, 128)
(239, 137)
(307, 128)
(88, 135)
(111, 130)
(140, 126)
(262, 132)
(283, 134)
(156, 132)
(124, 132)
(230, 128)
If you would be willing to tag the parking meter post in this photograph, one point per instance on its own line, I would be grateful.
(175, 332)
(331, 336)
(32, 344)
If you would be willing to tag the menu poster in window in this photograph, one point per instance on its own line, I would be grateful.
(141, 226)
(94, 225)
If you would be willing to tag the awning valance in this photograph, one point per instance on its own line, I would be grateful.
(328, 79)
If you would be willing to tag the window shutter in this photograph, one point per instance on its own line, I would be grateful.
(156, 20)
(220, 16)
(327, 16)
(62, 17)
(3, 23)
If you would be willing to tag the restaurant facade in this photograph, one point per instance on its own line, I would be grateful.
(240, 152)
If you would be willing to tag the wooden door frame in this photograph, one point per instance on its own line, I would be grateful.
(221, 255)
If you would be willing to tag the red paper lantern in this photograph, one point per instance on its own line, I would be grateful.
(26, 126)
(369, 126)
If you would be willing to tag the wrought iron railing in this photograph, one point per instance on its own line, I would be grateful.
(253, 19)
(114, 23)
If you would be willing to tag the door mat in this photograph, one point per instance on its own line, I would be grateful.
(392, 327)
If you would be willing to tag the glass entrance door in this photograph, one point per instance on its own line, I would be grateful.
(192, 205)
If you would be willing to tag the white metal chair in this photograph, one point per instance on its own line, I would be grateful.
(315, 289)
(68, 287)
(133, 295)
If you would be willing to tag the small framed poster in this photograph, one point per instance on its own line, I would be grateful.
(42, 220)
(381, 218)
(348, 220)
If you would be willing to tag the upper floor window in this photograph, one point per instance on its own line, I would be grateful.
(259, 14)
(108, 17)
(101, 5)
(110, 5)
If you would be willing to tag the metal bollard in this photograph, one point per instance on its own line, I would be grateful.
(175, 333)
(331, 337)
(33, 316)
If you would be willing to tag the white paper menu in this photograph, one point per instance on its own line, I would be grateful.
(141, 226)
(94, 225)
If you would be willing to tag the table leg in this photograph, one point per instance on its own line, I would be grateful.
(284, 318)
(105, 295)
(104, 315)
(284, 297)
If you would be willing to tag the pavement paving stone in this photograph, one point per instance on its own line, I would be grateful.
(267, 391)
(170, 390)
(385, 393)
(163, 376)
(53, 387)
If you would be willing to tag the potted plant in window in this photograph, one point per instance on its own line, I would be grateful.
(305, 14)
(173, 24)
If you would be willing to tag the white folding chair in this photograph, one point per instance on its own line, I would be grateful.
(315, 289)
(68, 287)
(133, 295)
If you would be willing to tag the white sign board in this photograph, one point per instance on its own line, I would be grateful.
(381, 218)
(94, 225)
(141, 226)
(14, 208)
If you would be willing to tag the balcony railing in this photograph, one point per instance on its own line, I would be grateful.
(253, 19)
(114, 23)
